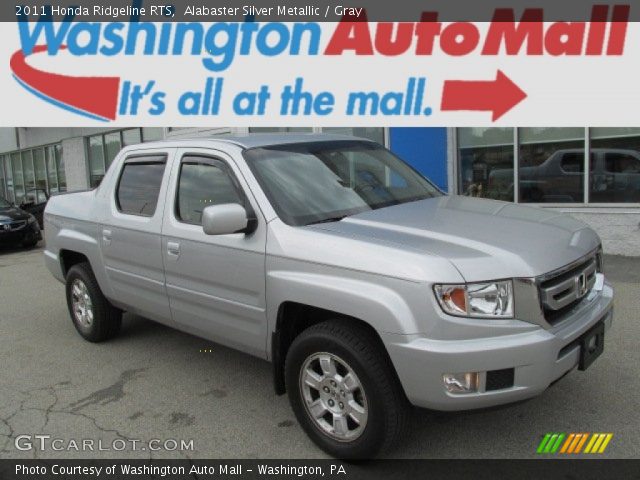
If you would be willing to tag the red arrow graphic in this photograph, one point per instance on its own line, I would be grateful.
(497, 96)
(93, 96)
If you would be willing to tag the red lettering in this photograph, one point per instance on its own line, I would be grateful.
(427, 29)
(350, 35)
(565, 38)
(595, 41)
(387, 45)
(530, 35)
(618, 31)
(459, 38)
(503, 29)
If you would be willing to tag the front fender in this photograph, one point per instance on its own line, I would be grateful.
(387, 304)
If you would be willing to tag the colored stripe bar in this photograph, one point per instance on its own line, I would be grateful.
(555, 447)
(593, 439)
(596, 446)
(567, 443)
(606, 441)
(575, 442)
(550, 443)
(582, 440)
(543, 443)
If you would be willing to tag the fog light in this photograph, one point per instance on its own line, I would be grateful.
(461, 382)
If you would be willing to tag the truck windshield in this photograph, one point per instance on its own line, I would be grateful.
(326, 181)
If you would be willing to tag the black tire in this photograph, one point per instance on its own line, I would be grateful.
(386, 405)
(30, 244)
(106, 319)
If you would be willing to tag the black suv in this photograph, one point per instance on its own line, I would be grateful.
(17, 227)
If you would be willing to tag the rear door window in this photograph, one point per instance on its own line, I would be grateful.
(139, 185)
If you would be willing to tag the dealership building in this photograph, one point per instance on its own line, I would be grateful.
(591, 173)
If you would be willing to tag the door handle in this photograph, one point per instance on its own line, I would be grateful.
(173, 249)
(106, 237)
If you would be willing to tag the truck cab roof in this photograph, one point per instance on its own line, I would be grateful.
(253, 140)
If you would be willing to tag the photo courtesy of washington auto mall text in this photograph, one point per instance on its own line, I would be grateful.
(341, 239)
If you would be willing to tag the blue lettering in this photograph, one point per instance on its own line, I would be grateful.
(281, 32)
(112, 36)
(135, 28)
(53, 39)
(225, 50)
(73, 40)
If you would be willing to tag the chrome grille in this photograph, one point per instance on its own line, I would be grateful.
(10, 227)
(561, 290)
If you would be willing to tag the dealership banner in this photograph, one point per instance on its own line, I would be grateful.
(49, 469)
(269, 63)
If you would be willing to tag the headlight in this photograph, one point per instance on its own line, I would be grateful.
(479, 300)
(31, 219)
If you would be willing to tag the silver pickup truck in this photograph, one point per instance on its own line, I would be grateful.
(366, 287)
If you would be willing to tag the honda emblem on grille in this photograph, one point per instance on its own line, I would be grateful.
(581, 284)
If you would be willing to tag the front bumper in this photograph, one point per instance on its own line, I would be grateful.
(538, 357)
(27, 234)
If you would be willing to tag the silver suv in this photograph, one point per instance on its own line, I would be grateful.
(366, 287)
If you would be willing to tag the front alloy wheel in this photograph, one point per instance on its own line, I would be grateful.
(334, 396)
(343, 390)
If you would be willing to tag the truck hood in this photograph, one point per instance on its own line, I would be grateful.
(483, 239)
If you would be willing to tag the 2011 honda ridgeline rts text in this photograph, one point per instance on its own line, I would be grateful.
(366, 287)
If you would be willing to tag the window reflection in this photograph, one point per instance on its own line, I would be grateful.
(551, 165)
(615, 165)
(486, 162)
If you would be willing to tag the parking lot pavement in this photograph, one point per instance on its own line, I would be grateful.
(153, 382)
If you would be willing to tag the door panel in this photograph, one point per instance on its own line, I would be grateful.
(131, 241)
(215, 283)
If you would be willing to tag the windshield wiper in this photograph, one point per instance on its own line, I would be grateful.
(328, 220)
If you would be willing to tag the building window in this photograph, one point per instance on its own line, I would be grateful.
(131, 136)
(18, 178)
(280, 129)
(152, 134)
(25, 171)
(3, 190)
(552, 164)
(103, 148)
(52, 169)
(8, 178)
(29, 173)
(112, 145)
(485, 158)
(375, 134)
(96, 160)
(62, 176)
(615, 165)
(40, 169)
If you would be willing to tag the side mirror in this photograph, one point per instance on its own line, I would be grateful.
(226, 219)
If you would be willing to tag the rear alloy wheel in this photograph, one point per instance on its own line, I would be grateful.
(93, 315)
(82, 306)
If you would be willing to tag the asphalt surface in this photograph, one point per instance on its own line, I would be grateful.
(153, 382)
